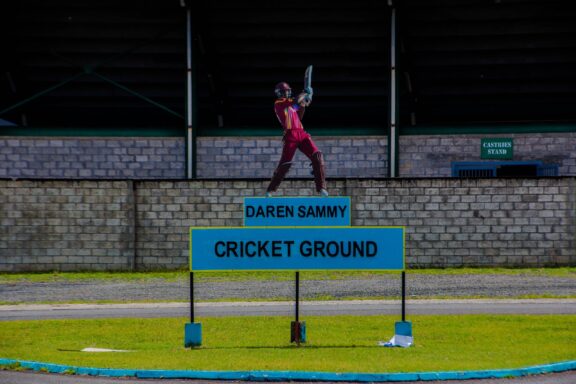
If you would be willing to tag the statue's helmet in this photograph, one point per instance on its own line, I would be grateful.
(283, 90)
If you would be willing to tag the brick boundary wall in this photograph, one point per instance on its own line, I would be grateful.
(431, 156)
(256, 157)
(69, 225)
(92, 158)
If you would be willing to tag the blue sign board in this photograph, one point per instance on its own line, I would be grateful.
(296, 248)
(297, 211)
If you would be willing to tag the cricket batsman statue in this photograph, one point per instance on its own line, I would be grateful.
(290, 113)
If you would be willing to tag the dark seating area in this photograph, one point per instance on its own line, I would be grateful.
(82, 64)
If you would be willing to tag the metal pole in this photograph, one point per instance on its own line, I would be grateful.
(189, 134)
(192, 297)
(403, 296)
(298, 297)
(393, 138)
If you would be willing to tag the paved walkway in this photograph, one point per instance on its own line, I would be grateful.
(307, 308)
(418, 285)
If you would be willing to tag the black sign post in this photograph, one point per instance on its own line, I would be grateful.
(191, 297)
(192, 330)
(297, 328)
(403, 296)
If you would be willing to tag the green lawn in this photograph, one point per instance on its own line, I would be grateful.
(335, 344)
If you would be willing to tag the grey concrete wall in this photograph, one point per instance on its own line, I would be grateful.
(119, 225)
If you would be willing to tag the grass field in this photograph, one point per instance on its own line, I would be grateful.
(335, 344)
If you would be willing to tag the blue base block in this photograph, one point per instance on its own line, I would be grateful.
(192, 335)
(403, 328)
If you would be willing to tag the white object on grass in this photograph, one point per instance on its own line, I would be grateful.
(397, 341)
(103, 350)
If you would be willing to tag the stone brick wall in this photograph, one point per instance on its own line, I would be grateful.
(431, 156)
(92, 158)
(66, 225)
(119, 225)
(476, 222)
(358, 156)
(256, 157)
(247, 157)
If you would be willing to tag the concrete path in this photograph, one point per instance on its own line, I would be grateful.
(377, 286)
(355, 307)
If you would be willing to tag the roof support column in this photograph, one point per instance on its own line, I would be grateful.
(190, 132)
(393, 123)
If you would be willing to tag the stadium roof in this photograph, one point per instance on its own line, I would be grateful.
(460, 62)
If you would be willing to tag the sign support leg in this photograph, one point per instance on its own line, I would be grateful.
(297, 328)
(403, 296)
(297, 296)
(191, 297)
(403, 329)
(192, 330)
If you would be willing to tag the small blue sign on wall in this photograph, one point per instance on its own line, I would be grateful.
(296, 248)
(297, 211)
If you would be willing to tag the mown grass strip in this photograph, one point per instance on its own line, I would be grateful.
(335, 344)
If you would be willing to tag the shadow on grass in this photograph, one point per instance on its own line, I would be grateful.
(302, 346)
